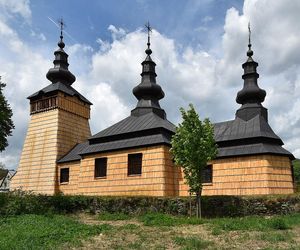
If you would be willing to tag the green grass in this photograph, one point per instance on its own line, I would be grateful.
(44, 232)
(158, 219)
(254, 223)
(191, 242)
(276, 236)
(113, 216)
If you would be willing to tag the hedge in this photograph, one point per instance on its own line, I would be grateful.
(19, 202)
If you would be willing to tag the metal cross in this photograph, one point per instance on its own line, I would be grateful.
(249, 32)
(62, 26)
(149, 29)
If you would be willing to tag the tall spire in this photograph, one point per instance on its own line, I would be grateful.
(251, 96)
(60, 72)
(148, 92)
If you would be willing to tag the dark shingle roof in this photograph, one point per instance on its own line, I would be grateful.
(3, 173)
(73, 154)
(134, 124)
(84, 148)
(255, 136)
(68, 89)
(133, 131)
(258, 148)
(239, 129)
(235, 138)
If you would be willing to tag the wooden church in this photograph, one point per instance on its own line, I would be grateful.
(132, 157)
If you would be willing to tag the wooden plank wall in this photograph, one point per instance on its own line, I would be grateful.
(249, 175)
(156, 178)
(50, 135)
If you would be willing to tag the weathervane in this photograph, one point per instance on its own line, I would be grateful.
(149, 30)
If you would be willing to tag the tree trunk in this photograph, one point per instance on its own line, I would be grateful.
(200, 205)
(190, 201)
(198, 195)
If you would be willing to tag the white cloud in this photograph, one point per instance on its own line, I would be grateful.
(116, 33)
(275, 38)
(190, 75)
(21, 7)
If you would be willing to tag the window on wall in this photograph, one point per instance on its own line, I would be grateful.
(135, 164)
(100, 167)
(207, 174)
(64, 175)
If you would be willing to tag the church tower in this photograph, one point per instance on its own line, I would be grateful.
(59, 121)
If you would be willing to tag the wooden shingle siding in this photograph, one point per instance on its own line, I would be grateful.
(51, 134)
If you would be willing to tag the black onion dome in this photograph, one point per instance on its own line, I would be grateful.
(148, 92)
(148, 88)
(60, 71)
(251, 92)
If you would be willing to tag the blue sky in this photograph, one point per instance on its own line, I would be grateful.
(198, 46)
(193, 23)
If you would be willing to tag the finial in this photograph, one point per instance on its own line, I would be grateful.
(62, 25)
(249, 52)
(149, 29)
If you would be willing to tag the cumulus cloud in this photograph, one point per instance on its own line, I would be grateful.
(107, 75)
(11, 7)
(275, 40)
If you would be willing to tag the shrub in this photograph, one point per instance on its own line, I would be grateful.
(19, 202)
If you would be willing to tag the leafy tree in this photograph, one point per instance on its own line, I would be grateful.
(193, 145)
(296, 166)
(6, 123)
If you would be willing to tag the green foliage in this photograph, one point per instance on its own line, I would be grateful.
(296, 165)
(193, 146)
(19, 202)
(6, 123)
(191, 242)
(44, 232)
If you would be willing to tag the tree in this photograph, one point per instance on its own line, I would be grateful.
(6, 123)
(193, 145)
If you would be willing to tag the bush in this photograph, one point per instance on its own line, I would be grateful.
(296, 165)
(19, 202)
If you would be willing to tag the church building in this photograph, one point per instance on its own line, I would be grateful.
(132, 157)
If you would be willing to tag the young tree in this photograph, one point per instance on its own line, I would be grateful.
(6, 123)
(193, 145)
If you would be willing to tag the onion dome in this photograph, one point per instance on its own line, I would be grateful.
(148, 92)
(251, 93)
(60, 71)
(251, 96)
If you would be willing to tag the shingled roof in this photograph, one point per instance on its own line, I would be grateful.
(146, 126)
(58, 86)
(248, 134)
(60, 76)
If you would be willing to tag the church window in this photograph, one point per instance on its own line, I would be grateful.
(207, 174)
(100, 167)
(135, 164)
(64, 175)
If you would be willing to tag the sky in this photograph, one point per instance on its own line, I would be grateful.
(198, 46)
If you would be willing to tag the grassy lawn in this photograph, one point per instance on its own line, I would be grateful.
(149, 231)
(44, 232)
